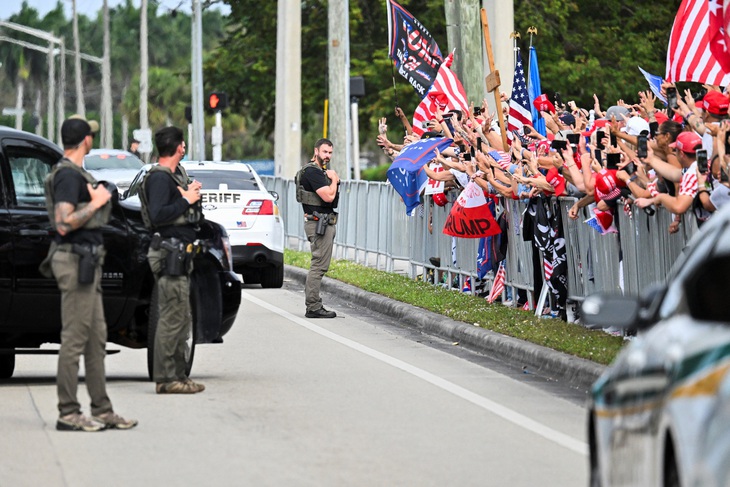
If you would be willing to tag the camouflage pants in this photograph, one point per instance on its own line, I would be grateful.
(83, 333)
(174, 324)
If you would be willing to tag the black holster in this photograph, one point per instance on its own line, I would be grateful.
(175, 260)
(88, 259)
(322, 221)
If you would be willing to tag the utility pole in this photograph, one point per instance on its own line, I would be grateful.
(144, 135)
(288, 134)
(61, 111)
(339, 85)
(196, 65)
(51, 123)
(107, 120)
(463, 34)
(80, 106)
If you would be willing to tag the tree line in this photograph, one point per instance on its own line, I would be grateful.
(583, 48)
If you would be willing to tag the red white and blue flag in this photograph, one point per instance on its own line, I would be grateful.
(470, 217)
(698, 43)
(445, 94)
(407, 175)
(411, 47)
(498, 284)
(519, 103)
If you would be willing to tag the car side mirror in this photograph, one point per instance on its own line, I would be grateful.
(275, 195)
(706, 290)
(602, 310)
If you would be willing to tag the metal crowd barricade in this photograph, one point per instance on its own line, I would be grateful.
(374, 230)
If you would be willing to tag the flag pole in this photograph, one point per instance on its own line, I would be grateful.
(492, 80)
(395, 91)
(532, 31)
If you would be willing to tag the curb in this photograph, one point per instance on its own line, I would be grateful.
(574, 371)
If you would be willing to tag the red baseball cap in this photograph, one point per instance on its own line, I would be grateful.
(687, 142)
(440, 199)
(556, 180)
(543, 104)
(607, 186)
(715, 103)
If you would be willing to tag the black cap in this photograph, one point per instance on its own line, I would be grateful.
(75, 128)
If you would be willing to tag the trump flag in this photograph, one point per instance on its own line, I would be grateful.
(407, 175)
(416, 54)
(470, 217)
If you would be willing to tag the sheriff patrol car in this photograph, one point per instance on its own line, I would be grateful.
(234, 196)
(660, 414)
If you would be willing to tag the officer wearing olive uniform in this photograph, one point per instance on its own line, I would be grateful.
(171, 208)
(318, 192)
(78, 207)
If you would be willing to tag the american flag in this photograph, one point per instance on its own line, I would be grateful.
(446, 93)
(504, 159)
(519, 103)
(498, 284)
(692, 53)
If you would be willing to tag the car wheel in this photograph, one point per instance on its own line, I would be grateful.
(7, 364)
(272, 277)
(154, 317)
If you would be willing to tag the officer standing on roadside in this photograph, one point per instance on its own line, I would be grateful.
(318, 192)
(171, 208)
(78, 207)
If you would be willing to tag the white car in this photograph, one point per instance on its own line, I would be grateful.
(113, 165)
(660, 414)
(234, 196)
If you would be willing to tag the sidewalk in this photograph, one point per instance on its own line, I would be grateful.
(558, 366)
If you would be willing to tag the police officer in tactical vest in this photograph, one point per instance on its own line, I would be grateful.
(171, 209)
(318, 192)
(78, 207)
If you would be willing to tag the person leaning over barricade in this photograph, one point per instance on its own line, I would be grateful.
(687, 144)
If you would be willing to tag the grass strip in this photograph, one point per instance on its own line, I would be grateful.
(570, 338)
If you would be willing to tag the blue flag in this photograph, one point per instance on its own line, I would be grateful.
(534, 90)
(482, 259)
(407, 175)
(655, 83)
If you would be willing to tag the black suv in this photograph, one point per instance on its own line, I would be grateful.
(30, 312)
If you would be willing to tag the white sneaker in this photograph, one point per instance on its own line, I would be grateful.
(508, 302)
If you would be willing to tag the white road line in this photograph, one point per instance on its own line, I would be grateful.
(514, 417)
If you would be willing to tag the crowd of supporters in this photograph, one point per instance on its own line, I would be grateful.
(634, 156)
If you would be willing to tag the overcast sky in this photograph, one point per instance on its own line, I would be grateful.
(89, 7)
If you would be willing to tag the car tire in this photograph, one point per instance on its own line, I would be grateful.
(272, 277)
(154, 317)
(7, 365)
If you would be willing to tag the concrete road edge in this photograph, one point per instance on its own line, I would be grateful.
(558, 366)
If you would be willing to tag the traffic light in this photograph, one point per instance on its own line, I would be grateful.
(217, 100)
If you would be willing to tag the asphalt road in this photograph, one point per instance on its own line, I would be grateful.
(355, 400)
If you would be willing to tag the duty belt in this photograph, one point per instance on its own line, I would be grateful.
(332, 217)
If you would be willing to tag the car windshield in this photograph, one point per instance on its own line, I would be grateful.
(98, 162)
(238, 180)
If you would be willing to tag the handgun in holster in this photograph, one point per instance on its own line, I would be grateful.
(175, 260)
(88, 257)
(322, 220)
